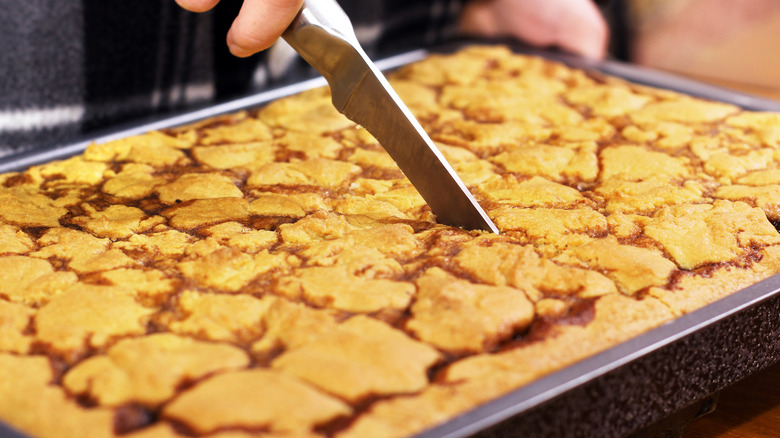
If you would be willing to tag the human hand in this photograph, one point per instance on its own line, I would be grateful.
(258, 25)
(576, 26)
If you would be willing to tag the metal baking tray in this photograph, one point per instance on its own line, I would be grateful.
(650, 385)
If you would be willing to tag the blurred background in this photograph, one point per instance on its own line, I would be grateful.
(731, 43)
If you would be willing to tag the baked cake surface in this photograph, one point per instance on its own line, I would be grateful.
(272, 273)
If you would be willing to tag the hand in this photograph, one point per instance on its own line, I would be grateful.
(258, 25)
(573, 25)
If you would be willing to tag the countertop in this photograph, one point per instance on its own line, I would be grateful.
(748, 409)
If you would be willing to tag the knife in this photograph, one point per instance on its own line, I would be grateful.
(323, 35)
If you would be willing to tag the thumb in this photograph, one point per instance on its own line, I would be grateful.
(574, 25)
(259, 24)
(583, 30)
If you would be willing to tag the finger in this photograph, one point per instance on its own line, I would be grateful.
(197, 5)
(583, 30)
(574, 25)
(259, 24)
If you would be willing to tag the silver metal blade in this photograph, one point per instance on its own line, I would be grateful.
(373, 104)
(323, 36)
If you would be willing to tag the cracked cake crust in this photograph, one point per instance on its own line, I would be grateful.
(272, 273)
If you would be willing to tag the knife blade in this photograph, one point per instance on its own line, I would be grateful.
(323, 35)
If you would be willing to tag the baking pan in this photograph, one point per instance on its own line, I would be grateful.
(650, 385)
(45, 154)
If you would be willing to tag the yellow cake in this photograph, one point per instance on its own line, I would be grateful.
(272, 273)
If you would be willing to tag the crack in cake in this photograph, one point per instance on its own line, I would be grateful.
(272, 273)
